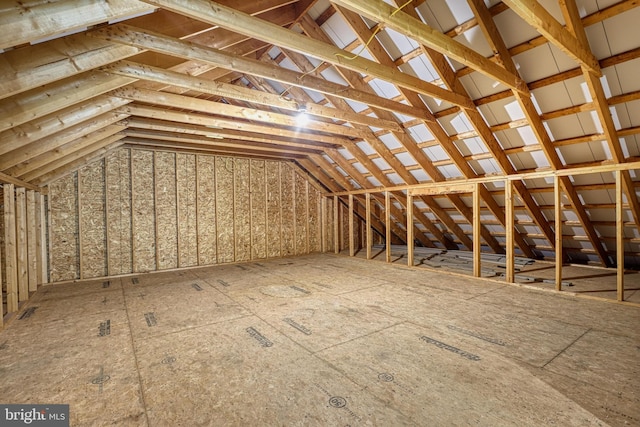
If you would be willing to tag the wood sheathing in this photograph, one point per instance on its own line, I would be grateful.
(176, 220)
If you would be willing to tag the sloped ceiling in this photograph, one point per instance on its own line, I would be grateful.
(359, 93)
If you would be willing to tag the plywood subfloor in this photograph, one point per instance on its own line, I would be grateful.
(322, 340)
(585, 280)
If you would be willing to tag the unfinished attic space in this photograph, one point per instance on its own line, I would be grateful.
(320, 212)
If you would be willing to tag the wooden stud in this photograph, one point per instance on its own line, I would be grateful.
(323, 224)
(619, 238)
(409, 229)
(107, 219)
(368, 228)
(11, 261)
(280, 190)
(32, 250)
(250, 214)
(557, 201)
(21, 244)
(178, 223)
(352, 250)
(80, 229)
(387, 226)
(336, 225)
(197, 212)
(510, 231)
(266, 211)
(306, 198)
(477, 246)
(292, 178)
(41, 239)
(133, 220)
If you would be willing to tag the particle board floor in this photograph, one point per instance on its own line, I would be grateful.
(322, 340)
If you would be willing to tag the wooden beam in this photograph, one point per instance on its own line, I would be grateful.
(404, 23)
(538, 17)
(368, 224)
(11, 250)
(352, 249)
(8, 179)
(510, 230)
(217, 14)
(228, 127)
(170, 100)
(229, 91)
(477, 222)
(141, 124)
(409, 230)
(48, 99)
(443, 189)
(32, 248)
(58, 121)
(171, 46)
(201, 142)
(23, 24)
(34, 167)
(74, 165)
(87, 150)
(387, 220)
(336, 225)
(324, 222)
(37, 148)
(619, 238)
(21, 245)
(557, 203)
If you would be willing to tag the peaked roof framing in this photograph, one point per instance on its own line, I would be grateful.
(394, 94)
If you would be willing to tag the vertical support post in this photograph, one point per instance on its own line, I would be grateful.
(80, 229)
(336, 225)
(509, 228)
(368, 224)
(21, 244)
(11, 260)
(557, 201)
(387, 224)
(32, 250)
(306, 198)
(41, 240)
(323, 224)
(619, 238)
(352, 249)
(409, 229)
(477, 266)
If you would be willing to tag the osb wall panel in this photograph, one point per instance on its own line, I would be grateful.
(166, 209)
(301, 214)
(64, 229)
(208, 209)
(258, 210)
(118, 200)
(144, 228)
(274, 207)
(206, 203)
(93, 239)
(289, 231)
(224, 209)
(314, 199)
(188, 234)
(328, 232)
(242, 210)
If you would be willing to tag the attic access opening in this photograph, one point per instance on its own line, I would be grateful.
(561, 180)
